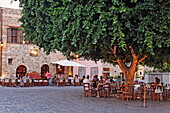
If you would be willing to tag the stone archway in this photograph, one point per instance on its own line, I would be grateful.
(21, 71)
(44, 69)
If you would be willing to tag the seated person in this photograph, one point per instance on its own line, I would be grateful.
(157, 81)
(100, 85)
(136, 82)
(118, 80)
(111, 80)
(76, 78)
(82, 78)
(95, 81)
(101, 79)
(86, 80)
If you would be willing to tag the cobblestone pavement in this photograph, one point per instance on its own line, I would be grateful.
(69, 99)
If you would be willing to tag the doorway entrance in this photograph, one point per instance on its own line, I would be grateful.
(44, 69)
(21, 71)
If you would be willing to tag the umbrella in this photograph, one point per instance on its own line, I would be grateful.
(68, 63)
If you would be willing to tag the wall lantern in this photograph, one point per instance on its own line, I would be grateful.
(34, 52)
(1, 44)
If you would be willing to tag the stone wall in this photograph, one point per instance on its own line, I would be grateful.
(10, 17)
(19, 53)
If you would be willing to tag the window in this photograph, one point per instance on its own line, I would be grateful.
(21, 71)
(140, 73)
(10, 60)
(44, 69)
(14, 35)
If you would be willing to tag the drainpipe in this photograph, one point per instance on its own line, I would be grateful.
(1, 40)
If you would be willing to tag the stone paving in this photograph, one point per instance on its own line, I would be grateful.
(69, 99)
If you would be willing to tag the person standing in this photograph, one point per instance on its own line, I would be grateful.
(48, 76)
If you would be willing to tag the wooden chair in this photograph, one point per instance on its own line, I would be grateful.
(61, 82)
(93, 91)
(168, 94)
(118, 90)
(86, 89)
(7, 82)
(25, 82)
(127, 92)
(31, 83)
(152, 91)
(57, 81)
(14, 82)
(139, 92)
(41, 82)
(68, 82)
(106, 90)
(2, 82)
(36, 82)
(77, 82)
(158, 94)
(44, 83)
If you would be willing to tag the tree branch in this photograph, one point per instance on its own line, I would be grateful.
(132, 52)
(114, 60)
(143, 58)
(114, 50)
(122, 65)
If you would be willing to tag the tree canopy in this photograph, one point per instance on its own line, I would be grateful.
(107, 30)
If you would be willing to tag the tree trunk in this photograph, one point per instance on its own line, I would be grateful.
(129, 72)
(129, 76)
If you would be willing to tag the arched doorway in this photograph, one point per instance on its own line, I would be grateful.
(21, 71)
(44, 69)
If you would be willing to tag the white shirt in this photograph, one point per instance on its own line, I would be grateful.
(86, 81)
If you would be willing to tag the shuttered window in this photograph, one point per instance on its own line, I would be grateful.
(14, 35)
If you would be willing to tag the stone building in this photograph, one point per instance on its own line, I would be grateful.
(19, 56)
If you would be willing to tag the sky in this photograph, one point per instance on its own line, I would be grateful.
(8, 4)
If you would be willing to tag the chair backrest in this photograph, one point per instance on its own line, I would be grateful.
(24, 80)
(61, 80)
(6, 80)
(13, 80)
(86, 86)
(66, 80)
(30, 80)
(159, 89)
(77, 80)
(106, 85)
(128, 88)
(117, 82)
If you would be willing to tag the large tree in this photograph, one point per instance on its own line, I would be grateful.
(123, 32)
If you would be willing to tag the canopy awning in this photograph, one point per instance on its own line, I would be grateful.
(67, 63)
